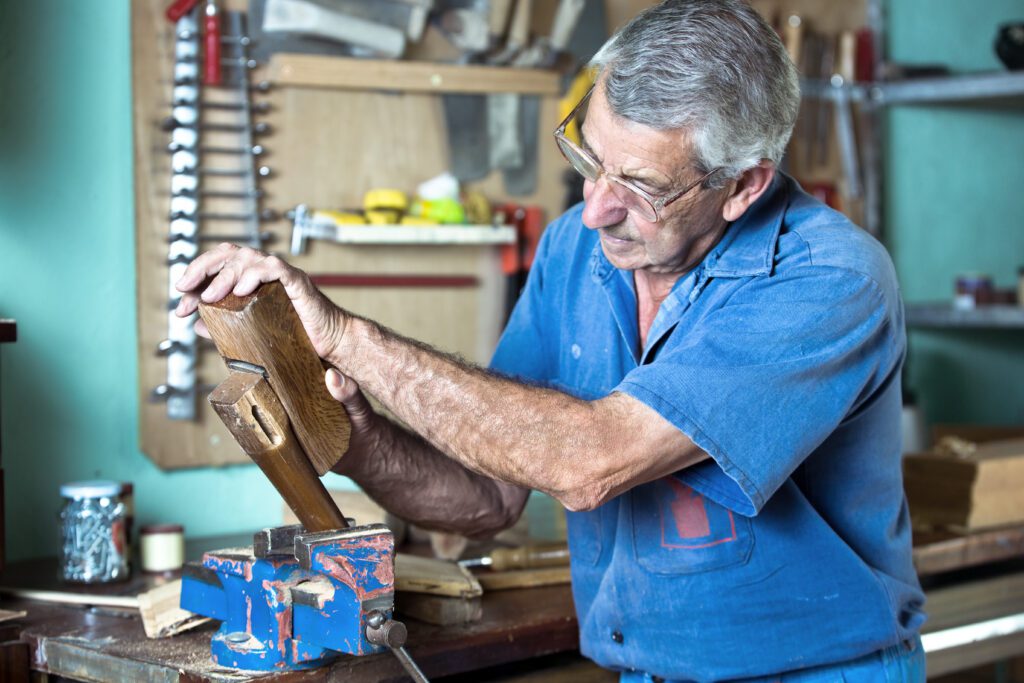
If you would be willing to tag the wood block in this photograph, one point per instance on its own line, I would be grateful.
(415, 574)
(264, 329)
(161, 612)
(523, 578)
(970, 490)
(436, 609)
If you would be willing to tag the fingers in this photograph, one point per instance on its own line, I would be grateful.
(201, 329)
(346, 391)
(234, 270)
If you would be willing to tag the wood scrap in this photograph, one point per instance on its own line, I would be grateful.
(162, 615)
(435, 609)
(523, 578)
(414, 574)
(9, 614)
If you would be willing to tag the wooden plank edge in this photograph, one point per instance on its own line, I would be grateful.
(130, 602)
(317, 71)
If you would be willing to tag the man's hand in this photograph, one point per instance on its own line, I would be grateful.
(230, 269)
(367, 426)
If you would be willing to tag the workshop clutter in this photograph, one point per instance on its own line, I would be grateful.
(966, 483)
(94, 532)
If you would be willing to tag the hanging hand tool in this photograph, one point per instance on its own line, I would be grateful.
(211, 41)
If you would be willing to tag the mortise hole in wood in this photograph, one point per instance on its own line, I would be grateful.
(261, 420)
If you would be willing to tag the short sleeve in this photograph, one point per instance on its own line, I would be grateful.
(761, 381)
(523, 351)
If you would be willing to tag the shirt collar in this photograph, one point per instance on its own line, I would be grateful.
(749, 244)
(746, 249)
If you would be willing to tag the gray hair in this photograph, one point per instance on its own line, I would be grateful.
(713, 67)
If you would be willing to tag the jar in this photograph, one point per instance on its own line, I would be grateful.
(973, 289)
(163, 547)
(93, 540)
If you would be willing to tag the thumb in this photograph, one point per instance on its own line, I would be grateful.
(345, 390)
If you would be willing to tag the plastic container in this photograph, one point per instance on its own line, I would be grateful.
(163, 547)
(973, 289)
(93, 532)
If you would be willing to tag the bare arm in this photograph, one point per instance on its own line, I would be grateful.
(412, 479)
(583, 453)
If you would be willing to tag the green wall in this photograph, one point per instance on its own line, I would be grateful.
(68, 387)
(67, 274)
(954, 204)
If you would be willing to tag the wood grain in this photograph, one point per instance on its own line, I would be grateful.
(264, 329)
(258, 421)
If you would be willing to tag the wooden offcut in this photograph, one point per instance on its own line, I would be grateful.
(263, 329)
(162, 615)
(976, 488)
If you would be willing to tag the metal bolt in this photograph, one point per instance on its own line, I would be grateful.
(374, 619)
(237, 637)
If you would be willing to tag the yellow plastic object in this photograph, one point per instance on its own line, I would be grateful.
(418, 220)
(580, 85)
(339, 217)
(446, 211)
(382, 216)
(384, 198)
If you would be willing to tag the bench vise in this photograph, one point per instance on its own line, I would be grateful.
(296, 600)
(302, 594)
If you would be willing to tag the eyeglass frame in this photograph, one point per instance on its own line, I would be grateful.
(657, 203)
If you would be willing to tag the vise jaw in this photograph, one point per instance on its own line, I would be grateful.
(295, 600)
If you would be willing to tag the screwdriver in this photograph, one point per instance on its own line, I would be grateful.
(522, 557)
(211, 25)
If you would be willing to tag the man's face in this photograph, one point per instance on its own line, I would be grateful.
(660, 163)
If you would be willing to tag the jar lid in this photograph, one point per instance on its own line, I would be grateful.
(161, 529)
(97, 488)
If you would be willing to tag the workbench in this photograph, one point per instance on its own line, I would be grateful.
(973, 586)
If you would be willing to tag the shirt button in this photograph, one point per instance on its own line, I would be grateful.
(617, 637)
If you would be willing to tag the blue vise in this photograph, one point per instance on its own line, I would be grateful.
(295, 600)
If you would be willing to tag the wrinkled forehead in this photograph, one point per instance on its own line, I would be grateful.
(606, 132)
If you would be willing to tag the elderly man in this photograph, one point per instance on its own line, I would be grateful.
(704, 369)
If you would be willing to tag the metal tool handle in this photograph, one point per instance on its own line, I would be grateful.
(383, 631)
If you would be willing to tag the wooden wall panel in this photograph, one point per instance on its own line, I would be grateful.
(327, 148)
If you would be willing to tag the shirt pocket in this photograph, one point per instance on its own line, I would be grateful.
(678, 531)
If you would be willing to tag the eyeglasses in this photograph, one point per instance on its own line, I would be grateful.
(640, 202)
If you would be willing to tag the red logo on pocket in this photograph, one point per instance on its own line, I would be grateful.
(691, 525)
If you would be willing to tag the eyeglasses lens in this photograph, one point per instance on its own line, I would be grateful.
(586, 167)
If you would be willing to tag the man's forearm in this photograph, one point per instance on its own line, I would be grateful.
(412, 480)
(529, 436)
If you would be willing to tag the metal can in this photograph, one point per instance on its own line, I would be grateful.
(93, 533)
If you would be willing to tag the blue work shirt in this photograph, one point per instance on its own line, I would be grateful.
(780, 356)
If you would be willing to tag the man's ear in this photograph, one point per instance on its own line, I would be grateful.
(748, 188)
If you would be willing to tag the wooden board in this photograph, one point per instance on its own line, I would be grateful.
(328, 147)
(315, 71)
(524, 578)
(414, 574)
(942, 551)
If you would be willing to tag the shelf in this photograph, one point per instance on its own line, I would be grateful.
(990, 87)
(318, 71)
(999, 85)
(944, 316)
(415, 234)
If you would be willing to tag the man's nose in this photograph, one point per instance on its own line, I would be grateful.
(601, 207)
